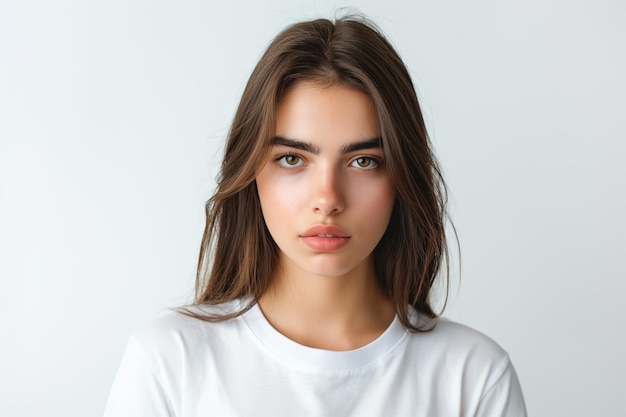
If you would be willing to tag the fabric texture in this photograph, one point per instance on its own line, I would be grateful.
(184, 367)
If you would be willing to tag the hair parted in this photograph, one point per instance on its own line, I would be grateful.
(238, 255)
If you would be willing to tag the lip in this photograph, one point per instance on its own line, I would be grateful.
(325, 237)
(327, 230)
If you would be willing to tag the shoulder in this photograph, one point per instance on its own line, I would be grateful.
(471, 366)
(458, 336)
(462, 350)
(176, 334)
(448, 335)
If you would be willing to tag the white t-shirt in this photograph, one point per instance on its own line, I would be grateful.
(184, 367)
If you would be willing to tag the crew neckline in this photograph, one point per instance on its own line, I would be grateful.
(305, 357)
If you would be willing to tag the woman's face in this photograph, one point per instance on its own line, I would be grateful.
(325, 192)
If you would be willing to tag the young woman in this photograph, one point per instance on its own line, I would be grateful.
(323, 241)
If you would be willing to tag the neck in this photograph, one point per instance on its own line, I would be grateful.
(334, 313)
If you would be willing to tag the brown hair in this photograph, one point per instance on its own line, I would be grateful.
(238, 255)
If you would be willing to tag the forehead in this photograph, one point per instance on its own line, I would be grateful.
(332, 115)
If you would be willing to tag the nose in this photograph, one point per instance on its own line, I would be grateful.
(326, 191)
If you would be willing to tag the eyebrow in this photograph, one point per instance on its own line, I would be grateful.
(374, 143)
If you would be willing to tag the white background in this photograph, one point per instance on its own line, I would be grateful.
(112, 120)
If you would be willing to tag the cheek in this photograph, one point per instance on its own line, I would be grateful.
(377, 199)
(382, 209)
(278, 197)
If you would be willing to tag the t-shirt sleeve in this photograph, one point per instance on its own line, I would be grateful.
(137, 390)
(504, 397)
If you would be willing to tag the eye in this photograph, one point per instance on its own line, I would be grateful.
(365, 162)
(289, 161)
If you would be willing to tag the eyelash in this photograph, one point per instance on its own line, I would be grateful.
(372, 160)
(281, 160)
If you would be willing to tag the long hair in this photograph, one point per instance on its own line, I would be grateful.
(238, 255)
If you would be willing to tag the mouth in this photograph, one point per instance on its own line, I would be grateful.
(325, 231)
(325, 238)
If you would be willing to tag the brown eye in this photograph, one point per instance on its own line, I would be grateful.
(365, 162)
(290, 161)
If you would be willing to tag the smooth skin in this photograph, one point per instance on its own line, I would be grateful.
(327, 199)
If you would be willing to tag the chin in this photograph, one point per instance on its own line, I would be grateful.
(325, 267)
